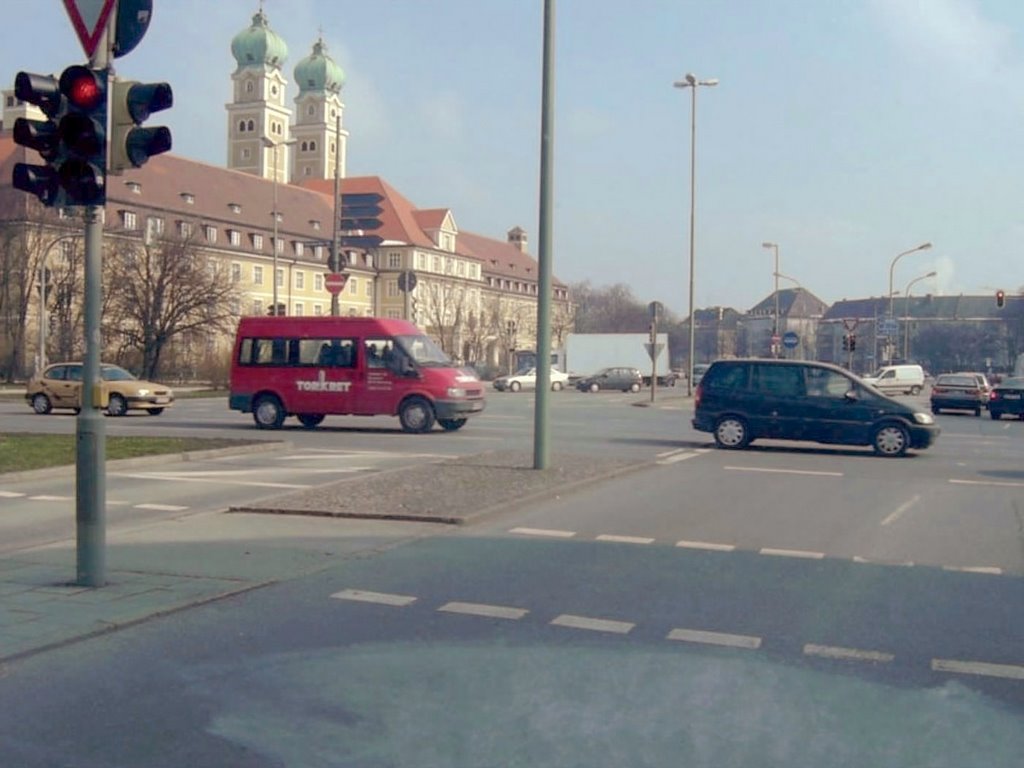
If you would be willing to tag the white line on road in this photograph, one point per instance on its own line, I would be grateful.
(792, 553)
(715, 638)
(811, 472)
(987, 482)
(901, 509)
(677, 457)
(382, 598)
(544, 532)
(853, 654)
(161, 507)
(219, 481)
(905, 564)
(625, 539)
(482, 609)
(1009, 671)
(706, 545)
(595, 625)
(974, 569)
(51, 498)
(10, 495)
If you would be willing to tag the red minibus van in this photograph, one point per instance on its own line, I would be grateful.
(310, 367)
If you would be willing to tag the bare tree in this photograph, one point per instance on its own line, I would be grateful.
(161, 292)
(444, 305)
(613, 309)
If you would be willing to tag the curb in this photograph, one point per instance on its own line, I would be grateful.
(147, 461)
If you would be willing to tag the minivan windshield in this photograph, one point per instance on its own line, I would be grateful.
(424, 351)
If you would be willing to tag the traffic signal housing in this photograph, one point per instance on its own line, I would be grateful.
(846, 342)
(131, 104)
(42, 136)
(1000, 299)
(853, 342)
(82, 154)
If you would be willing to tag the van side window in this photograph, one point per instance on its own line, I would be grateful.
(725, 376)
(334, 353)
(822, 382)
(379, 352)
(779, 380)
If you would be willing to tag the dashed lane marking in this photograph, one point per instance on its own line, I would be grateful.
(851, 654)
(382, 598)
(811, 472)
(625, 539)
(10, 495)
(51, 498)
(903, 564)
(706, 545)
(791, 553)
(974, 569)
(482, 609)
(161, 507)
(996, 483)
(1008, 671)
(217, 480)
(544, 532)
(594, 625)
(715, 638)
(896, 513)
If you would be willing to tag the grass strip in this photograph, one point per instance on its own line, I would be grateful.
(21, 452)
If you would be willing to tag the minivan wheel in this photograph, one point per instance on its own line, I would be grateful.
(891, 440)
(310, 420)
(416, 415)
(731, 433)
(41, 403)
(996, 415)
(268, 413)
(594, 387)
(634, 387)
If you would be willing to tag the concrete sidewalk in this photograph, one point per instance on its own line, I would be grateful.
(194, 559)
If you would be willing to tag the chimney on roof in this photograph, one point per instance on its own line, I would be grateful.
(517, 238)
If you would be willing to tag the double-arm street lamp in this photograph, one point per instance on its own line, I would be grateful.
(276, 145)
(891, 294)
(775, 272)
(906, 314)
(690, 81)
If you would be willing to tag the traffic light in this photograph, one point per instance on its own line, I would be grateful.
(131, 105)
(81, 163)
(1000, 299)
(853, 342)
(846, 342)
(41, 135)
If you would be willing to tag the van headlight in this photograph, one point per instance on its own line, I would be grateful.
(456, 392)
(924, 418)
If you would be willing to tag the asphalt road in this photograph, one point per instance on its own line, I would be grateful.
(788, 605)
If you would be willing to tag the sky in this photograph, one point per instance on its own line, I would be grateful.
(846, 131)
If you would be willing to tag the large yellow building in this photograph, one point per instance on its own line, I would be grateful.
(269, 217)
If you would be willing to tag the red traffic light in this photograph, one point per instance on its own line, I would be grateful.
(1000, 298)
(83, 87)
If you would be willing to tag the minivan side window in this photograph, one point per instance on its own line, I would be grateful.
(725, 377)
(779, 380)
(822, 382)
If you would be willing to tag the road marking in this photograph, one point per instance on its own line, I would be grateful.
(161, 507)
(544, 532)
(715, 638)
(678, 457)
(219, 481)
(905, 564)
(382, 598)
(811, 472)
(853, 654)
(595, 625)
(706, 545)
(974, 569)
(901, 509)
(988, 482)
(792, 553)
(51, 498)
(10, 495)
(482, 609)
(1009, 671)
(625, 539)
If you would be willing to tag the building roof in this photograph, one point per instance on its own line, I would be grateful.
(959, 307)
(793, 302)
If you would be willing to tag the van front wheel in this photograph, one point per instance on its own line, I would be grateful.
(310, 420)
(915, 390)
(416, 415)
(268, 413)
(451, 425)
(731, 432)
(891, 440)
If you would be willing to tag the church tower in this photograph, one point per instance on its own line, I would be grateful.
(320, 137)
(257, 116)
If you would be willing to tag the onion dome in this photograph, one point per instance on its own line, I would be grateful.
(259, 45)
(318, 71)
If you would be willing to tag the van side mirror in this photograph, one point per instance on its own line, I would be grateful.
(851, 395)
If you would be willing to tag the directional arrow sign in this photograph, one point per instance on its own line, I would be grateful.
(360, 211)
(89, 18)
(360, 224)
(361, 198)
(361, 241)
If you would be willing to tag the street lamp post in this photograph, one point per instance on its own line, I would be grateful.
(791, 279)
(775, 330)
(906, 314)
(275, 145)
(892, 266)
(690, 81)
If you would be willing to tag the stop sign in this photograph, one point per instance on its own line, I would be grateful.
(335, 281)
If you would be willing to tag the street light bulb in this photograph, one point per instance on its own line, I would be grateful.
(767, 245)
(709, 81)
(924, 246)
(690, 78)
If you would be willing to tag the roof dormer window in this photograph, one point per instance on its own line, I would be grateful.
(234, 207)
(314, 223)
(189, 198)
(134, 187)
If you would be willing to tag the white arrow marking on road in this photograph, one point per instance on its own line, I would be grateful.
(481, 609)
(594, 625)
(901, 509)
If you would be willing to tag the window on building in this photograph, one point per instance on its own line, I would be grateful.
(303, 146)
(311, 110)
(257, 242)
(257, 275)
(461, 268)
(299, 309)
(369, 288)
(67, 250)
(257, 307)
(300, 280)
(279, 245)
(312, 146)
(392, 288)
(300, 248)
(185, 229)
(394, 314)
(236, 272)
(250, 87)
(241, 126)
(394, 261)
(421, 261)
(246, 154)
(318, 309)
(211, 234)
(128, 219)
(318, 251)
(437, 263)
(318, 282)
(280, 277)
(234, 237)
(353, 285)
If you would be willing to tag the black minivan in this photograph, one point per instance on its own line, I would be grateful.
(740, 400)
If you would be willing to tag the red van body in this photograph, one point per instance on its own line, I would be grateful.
(310, 367)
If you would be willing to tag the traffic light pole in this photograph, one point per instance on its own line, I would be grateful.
(91, 438)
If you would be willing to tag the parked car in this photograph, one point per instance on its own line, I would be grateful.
(527, 379)
(1007, 397)
(625, 379)
(741, 400)
(960, 392)
(60, 386)
(907, 379)
(699, 369)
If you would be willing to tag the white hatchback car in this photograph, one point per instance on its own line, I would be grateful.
(527, 379)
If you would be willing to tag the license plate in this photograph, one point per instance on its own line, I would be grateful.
(476, 407)
(162, 400)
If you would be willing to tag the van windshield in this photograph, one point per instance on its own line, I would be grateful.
(424, 351)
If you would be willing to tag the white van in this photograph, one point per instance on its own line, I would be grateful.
(897, 379)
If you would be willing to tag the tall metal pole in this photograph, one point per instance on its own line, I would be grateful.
(547, 147)
(42, 316)
(335, 256)
(693, 191)
(892, 266)
(273, 245)
(90, 429)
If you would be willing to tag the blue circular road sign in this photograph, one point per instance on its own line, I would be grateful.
(790, 339)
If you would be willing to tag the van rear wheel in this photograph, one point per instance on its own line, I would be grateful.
(310, 420)
(915, 390)
(268, 412)
(416, 415)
